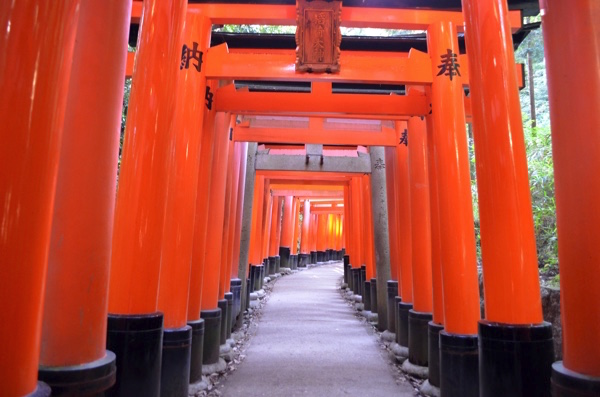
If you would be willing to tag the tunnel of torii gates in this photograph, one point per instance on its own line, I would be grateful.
(237, 163)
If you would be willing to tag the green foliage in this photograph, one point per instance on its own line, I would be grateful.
(541, 179)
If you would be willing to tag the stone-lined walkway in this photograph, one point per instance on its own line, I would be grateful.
(309, 343)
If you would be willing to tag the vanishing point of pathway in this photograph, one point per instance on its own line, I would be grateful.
(309, 343)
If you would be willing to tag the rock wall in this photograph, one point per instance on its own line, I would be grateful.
(550, 308)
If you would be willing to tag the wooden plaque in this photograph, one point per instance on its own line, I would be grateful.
(318, 35)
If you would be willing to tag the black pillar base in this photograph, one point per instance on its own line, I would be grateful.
(373, 293)
(175, 370)
(196, 350)
(229, 299)
(366, 298)
(292, 262)
(258, 277)
(363, 277)
(313, 257)
(137, 343)
(235, 286)
(329, 255)
(567, 383)
(247, 297)
(284, 254)
(303, 260)
(348, 271)
(346, 275)
(397, 301)
(212, 335)
(277, 264)
(418, 337)
(320, 256)
(392, 291)
(270, 266)
(403, 309)
(355, 280)
(222, 304)
(434, 353)
(250, 280)
(42, 390)
(459, 365)
(90, 379)
(515, 360)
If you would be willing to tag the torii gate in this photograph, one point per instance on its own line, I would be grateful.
(57, 214)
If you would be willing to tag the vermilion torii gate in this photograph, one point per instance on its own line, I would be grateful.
(137, 296)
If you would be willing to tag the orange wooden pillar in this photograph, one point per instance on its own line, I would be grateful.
(368, 228)
(33, 98)
(238, 274)
(139, 213)
(329, 237)
(287, 231)
(321, 241)
(392, 284)
(305, 235)
(458, 341)
(368, 274)
(268, 207)
(225, 295)
(421, 313)
(313, 238)
(239, 202)
(274, 236)
(211, 306)
(296, 235)
(358, 251)
(201, 220)
(73, 354)
(347, 236)
(572, 61)
(255, 257)
(180, 339)
(513, 308)
(405, 286)
(390, 169)
(437, 323)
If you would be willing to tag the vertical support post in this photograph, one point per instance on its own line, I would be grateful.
(321, 237)
(139, 212)
(576, 153)
(214, 244)
(420, 315)
(513, 330)
(380, 229)
(357, 245)
(73, 353)
(274, 229)
(458, 342)
(180, 211)
(287, 231)
(246, 232)
(305, 238)
(201, 218)
(33, 98)
(405, 287)
(436, 325)
(390, 170)
(296, 234)
(392, 285)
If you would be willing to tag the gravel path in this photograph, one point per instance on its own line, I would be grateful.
(309, 343)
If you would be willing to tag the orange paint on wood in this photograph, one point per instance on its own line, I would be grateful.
(33, 97)
(213, 255)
